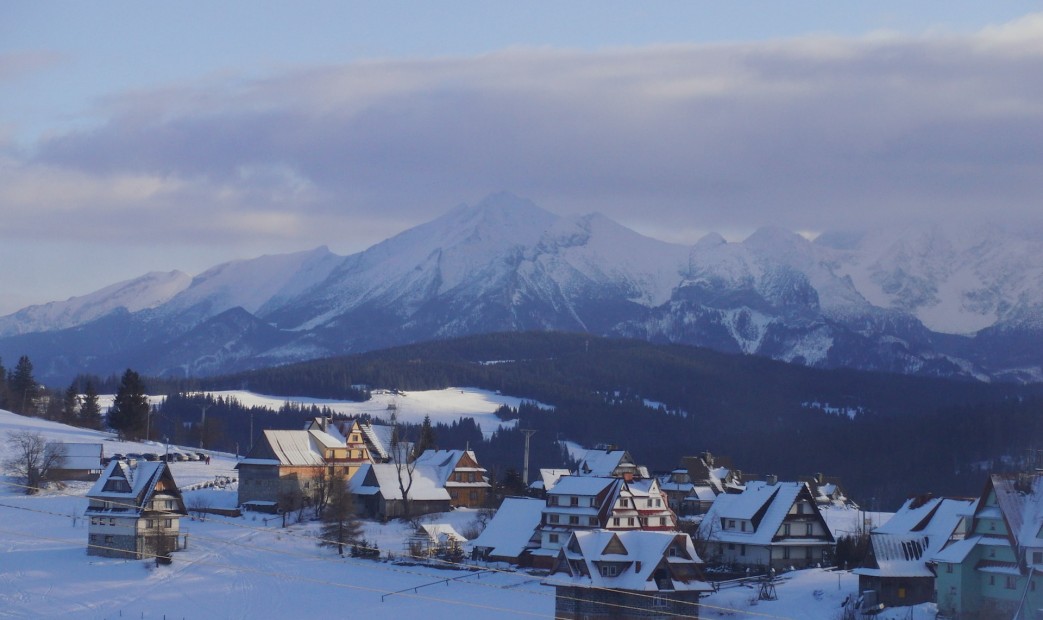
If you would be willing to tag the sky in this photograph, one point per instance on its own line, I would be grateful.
(144, 136)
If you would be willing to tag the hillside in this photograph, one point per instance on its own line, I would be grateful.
(887, 435)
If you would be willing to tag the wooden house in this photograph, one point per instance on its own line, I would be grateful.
(80, 461)
(770, 525)
(461, 475)
(134, 511)
(896, 568)
(288, 467)
(377, 488)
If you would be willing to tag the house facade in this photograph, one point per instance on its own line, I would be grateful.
(997, 570)
(378, 490)
(770, 525)
(134, 512)
(461, 475)
(627, 575)
(288, 467)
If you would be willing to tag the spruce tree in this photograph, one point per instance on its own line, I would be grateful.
(70, 404)
(23, 387)
(90, 410)
(427, 438)
(129, 412)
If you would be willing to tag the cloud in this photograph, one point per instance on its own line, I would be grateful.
(810, 134)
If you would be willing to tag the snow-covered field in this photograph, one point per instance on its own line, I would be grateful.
(250, 567)
(445, 406)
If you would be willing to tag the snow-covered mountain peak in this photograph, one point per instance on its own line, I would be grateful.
(148, 291)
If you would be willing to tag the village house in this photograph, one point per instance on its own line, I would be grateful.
(997, 570)
(287, 468)
(461, 475)
(896, 568)
(828, 491)
(588, 502)
(610, 462)
(510, 536)
(80, 461)
(548, 478)
(692, 487)
(364, 442)
(627, 575)
(377, 488)
(770, 525)
(436, 539)
(134, 511)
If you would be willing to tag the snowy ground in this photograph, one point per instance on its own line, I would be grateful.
(446, 406)
(250, 567)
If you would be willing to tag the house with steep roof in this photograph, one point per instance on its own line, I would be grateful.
(610, 463)
(637, 574)
(134, 511)
(548, 478)
(828, 490)
(997, 570)
(511, 534)
(896, 567)
(461, 475)
(692, 487)
(770, 525)
(436, 539)
(289, 467)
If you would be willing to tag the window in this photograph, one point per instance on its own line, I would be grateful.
(168, 523)
(1037, 557)
(1012, 582)
(810, 529)
(659, 503)
(592, 521)
(785, 530)
(552, 518)
(992, 580)
(785, 553)
(742, 525)
(615, 521)
(552, 538)
(624, 502)
(573, 501)
(808, 553)
(573, 520)
(630, 521)
(659, 601)
(742, 549)
(552, 500)
(649, 502)
(731, 524)
(149, 524)
(609, 570)
(470, 476)
(108, 538)
(948, 568)
(473, 495)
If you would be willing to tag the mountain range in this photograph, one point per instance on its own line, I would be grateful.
(935, 300)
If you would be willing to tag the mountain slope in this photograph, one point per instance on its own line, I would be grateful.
(935, 301)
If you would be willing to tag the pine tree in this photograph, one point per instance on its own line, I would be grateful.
(427, 438)
(90, 410)
(340, 527)
(70, 404)
(23, 387)
(130, 409)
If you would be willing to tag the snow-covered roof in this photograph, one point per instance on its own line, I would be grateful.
(378, 436)
(1020, 498)
(129, 487)
(957, 552)
(302, 448)
(444, 462)
(549, 478)
(441, 532)
(511, 528)
(582, 485)
(769, 502)
(424, 487)
(634, 555)
(80, 456)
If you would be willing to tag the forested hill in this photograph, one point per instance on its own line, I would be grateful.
(886, 435)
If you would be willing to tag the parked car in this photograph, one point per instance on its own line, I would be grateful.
(192, 456)
(150, 456)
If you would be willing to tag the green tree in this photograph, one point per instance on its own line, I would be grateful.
(23, 387)
(70, 404)
(3, 387)
(90, 410)
(427, 438)
(340, 526)
(129, 412)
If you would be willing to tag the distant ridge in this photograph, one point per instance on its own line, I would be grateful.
(933, 301)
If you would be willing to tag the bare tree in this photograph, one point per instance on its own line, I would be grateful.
(32, 458)
(340, 526)
(404, 467)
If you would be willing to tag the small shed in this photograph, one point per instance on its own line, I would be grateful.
(82, 461)
(436, 539)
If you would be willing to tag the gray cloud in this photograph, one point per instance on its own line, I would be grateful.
(810, 134)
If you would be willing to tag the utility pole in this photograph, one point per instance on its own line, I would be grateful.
(202, 425)
(525, 467)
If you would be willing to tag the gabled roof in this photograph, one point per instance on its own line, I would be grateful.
(635, 555)
(383, 478)
(130, 487)
(1020, 500)
(914, 535)
(445, 462)
(511, 529)
(549, 478)
(606, 462)
(296, 448)
(764, 505)
(441, 533)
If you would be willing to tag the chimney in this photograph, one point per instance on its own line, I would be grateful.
(771, 480)
(819, 478)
